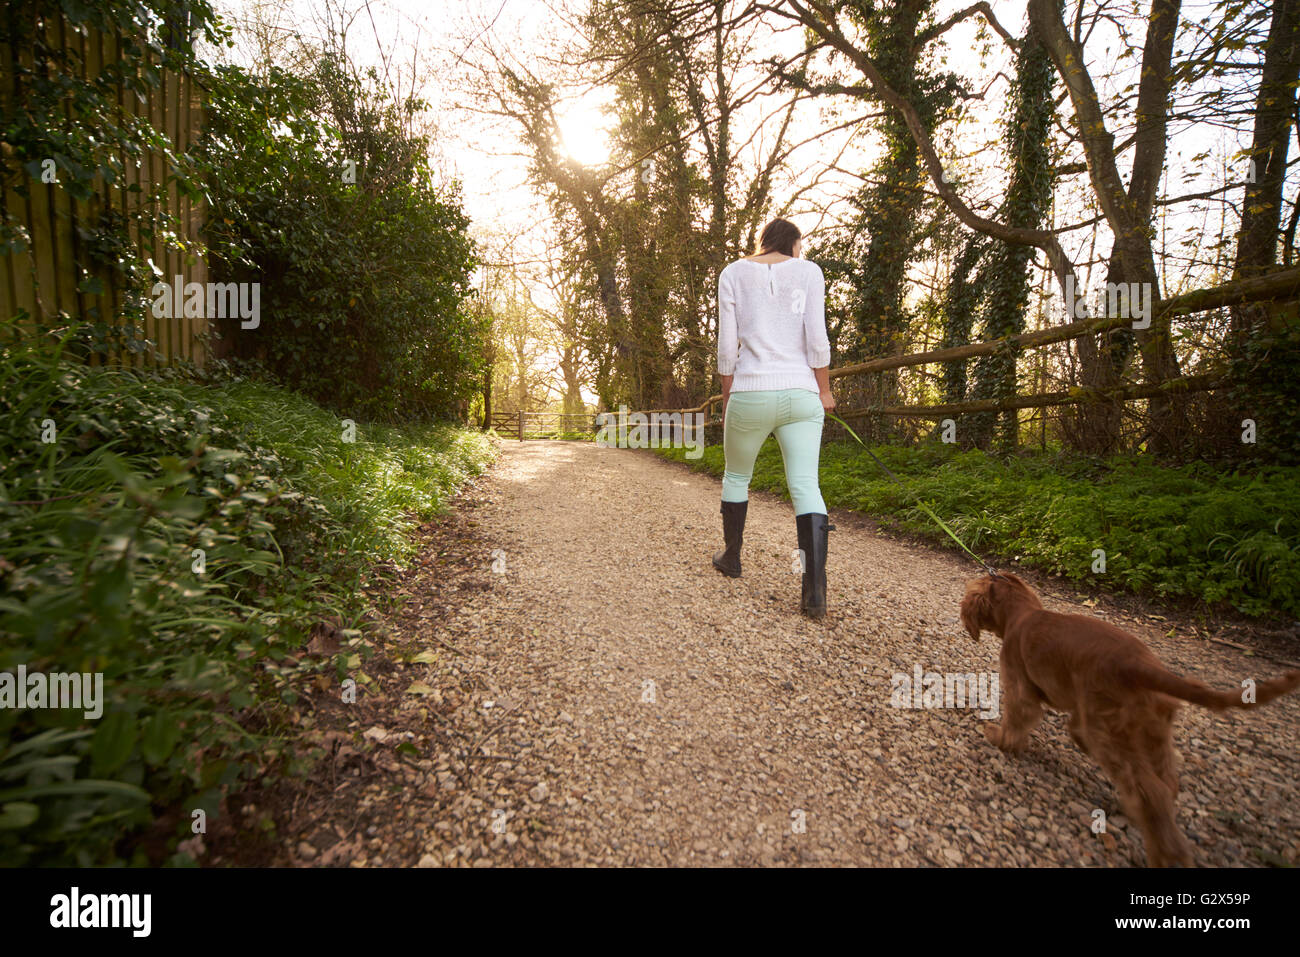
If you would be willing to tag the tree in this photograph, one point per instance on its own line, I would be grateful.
(681, 195)
(1005, 271)
(872, 252)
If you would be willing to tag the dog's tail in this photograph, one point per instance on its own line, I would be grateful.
(1252, 692)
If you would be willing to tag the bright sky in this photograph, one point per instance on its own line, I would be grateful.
(434, 37)
(442, 38)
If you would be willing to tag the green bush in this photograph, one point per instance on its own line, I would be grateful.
(1194, 531)
(318, 192)
(100, 531)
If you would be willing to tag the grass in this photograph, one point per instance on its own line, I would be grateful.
(372, 488)
(1189, 531)
(181, 538)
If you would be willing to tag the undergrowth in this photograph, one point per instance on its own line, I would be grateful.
(182, 538)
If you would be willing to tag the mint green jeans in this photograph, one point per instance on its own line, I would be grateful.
(795, 415)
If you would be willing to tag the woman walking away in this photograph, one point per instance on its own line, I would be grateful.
(774, 359)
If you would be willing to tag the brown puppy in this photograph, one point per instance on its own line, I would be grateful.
(1120, 698)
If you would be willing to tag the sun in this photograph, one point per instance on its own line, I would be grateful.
(583, 136)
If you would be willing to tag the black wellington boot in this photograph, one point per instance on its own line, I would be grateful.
(812, 528)
(727, 561)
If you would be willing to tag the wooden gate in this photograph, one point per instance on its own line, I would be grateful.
(543, 425)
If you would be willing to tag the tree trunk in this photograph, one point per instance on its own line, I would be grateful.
(1261, 209)
(1128, 213)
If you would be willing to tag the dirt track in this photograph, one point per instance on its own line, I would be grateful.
(616, 701)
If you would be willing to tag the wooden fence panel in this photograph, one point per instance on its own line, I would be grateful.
(1278, 290)
(159, 329)
(46, 279)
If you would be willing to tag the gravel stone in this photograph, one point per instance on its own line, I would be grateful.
(651, 712)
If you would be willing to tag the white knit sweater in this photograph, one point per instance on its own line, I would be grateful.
(772, 324)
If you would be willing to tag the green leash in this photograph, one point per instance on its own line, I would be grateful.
(925, 508)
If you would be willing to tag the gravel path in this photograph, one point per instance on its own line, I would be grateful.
(639, 709)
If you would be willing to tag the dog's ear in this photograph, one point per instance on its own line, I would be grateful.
(975, 608)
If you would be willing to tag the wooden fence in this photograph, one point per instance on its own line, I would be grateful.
(1283, 286)
(47, 279)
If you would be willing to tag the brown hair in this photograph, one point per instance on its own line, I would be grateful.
(779, 236)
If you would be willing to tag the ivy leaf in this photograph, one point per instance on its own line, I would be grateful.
(111, 593)
(17, 814)
(113, 742)
(161, 735)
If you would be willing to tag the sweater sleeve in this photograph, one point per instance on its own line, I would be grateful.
(817, 347)
(728, 337)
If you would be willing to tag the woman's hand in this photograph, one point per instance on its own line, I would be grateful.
(823, 376)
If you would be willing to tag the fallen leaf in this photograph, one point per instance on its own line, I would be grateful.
(324, 639)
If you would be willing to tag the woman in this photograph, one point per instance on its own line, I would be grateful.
(774, 359)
